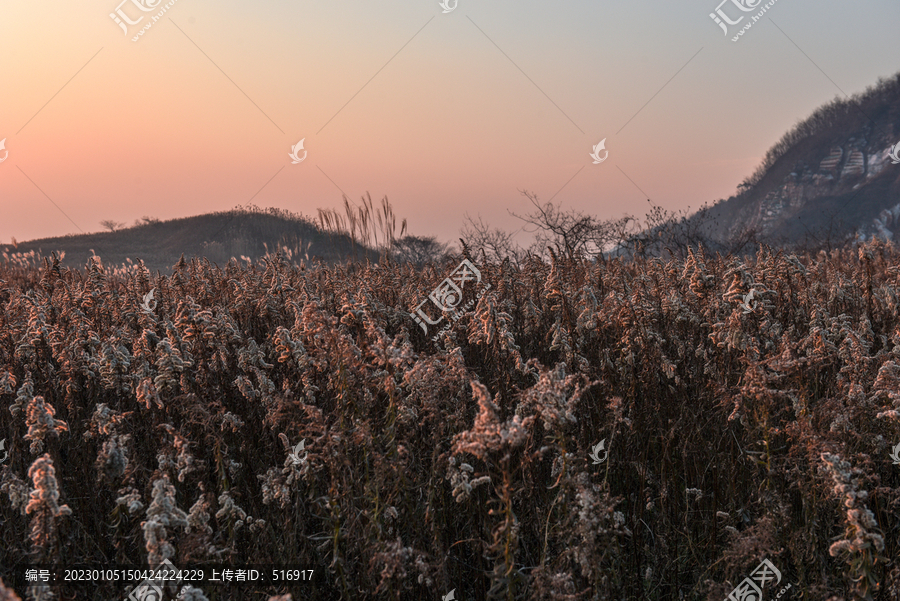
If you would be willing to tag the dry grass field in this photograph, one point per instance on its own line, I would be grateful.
(738, 427)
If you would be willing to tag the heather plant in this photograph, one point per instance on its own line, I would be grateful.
(16, 489)
(162, 514)
(44, 507)
(862, 546)
(41, 422)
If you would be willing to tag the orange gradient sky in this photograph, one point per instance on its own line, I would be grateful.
(445, 113)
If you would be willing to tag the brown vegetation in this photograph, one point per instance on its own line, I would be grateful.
(738, 427)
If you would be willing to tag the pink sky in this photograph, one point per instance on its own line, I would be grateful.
(446, 114)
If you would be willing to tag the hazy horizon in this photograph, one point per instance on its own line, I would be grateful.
(444, 113)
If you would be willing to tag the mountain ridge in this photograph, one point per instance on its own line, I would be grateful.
(828, 180)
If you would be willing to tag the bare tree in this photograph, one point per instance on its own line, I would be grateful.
(111, 225)
(145, 221)
(671, 234)
(493, 242)
(419, 250)
(660, 233)
(572, 233)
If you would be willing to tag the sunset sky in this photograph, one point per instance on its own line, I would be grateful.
(445, 113)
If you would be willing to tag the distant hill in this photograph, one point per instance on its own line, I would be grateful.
(248, 232)
(829, 180)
